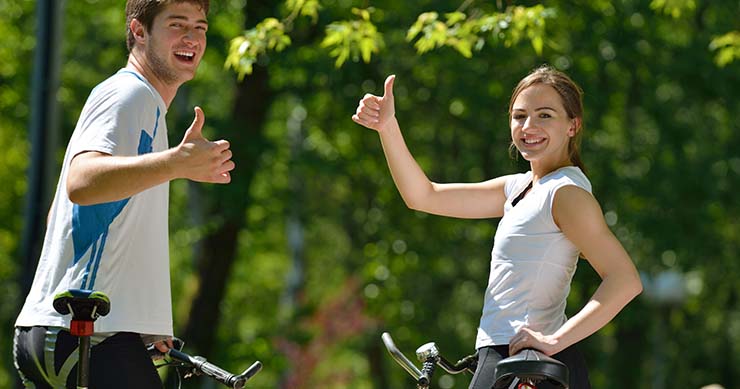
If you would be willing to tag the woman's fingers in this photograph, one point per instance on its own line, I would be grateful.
(370, 101)
(368, 117)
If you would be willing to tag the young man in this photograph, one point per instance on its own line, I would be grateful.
(108, 225)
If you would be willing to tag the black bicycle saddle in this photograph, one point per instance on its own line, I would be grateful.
(530, 364)
(83, 304)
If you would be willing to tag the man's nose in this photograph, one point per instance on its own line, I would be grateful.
(189, 36)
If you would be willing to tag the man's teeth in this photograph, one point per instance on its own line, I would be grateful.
(185, 54)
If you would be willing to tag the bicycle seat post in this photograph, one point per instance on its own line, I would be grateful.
(85, 306)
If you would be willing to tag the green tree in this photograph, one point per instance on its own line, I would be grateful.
(16, 49)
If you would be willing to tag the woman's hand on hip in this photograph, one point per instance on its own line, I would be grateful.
(528, 338)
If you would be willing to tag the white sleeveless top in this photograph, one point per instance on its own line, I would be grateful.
(532, 262)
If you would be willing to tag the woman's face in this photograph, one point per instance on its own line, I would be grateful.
(540, 126)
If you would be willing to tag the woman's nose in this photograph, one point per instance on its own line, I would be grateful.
(528, 123)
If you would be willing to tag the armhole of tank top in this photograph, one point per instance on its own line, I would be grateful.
(521, 194)
(551, 201)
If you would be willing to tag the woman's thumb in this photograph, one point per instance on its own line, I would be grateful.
(388, 87)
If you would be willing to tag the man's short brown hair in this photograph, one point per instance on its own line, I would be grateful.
(146, 10)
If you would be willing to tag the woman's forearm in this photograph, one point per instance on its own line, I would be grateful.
(608, 300)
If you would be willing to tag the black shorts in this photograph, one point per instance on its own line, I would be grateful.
(488, 357)
(47, 358)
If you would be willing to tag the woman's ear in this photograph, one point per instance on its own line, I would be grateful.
(575, 127)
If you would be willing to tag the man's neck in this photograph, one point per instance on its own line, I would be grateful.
(165, 90)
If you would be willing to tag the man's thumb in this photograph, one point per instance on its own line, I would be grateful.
(200, 119)
(389, 86)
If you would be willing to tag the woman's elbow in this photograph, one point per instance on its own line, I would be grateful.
(635, 286)
(412, 202)
(414, 206)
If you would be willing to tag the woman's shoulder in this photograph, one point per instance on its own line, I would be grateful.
(568, 175)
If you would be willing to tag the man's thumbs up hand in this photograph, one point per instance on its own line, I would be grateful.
(199, 159)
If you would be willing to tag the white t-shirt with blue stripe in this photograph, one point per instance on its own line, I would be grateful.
(118, 248)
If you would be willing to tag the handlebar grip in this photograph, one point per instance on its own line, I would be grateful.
(201, 365)
(251, 371)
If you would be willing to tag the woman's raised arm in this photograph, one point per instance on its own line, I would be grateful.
(476, 200)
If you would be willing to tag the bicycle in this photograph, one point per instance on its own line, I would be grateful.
(86, 306)
(521, 371)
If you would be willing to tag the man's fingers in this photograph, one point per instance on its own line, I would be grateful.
(222, 178)
(226, 155)
(161, 346)
(222, 145)
(227, 166)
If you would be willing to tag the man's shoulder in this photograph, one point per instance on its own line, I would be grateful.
(125, 85)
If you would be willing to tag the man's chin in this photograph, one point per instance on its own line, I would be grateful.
(180, 78)
(187, 74)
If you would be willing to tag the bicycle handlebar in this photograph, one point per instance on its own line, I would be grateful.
(399, 357)
(201, 366)
(468, 363)
(429, 355)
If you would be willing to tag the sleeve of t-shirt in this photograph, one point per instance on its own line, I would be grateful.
(111, 120)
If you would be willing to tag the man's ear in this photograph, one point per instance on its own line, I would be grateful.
(138, 30)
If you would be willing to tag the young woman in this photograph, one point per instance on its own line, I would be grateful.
(548, 219)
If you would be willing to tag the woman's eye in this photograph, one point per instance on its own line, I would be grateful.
(519, 117)
(545, 115)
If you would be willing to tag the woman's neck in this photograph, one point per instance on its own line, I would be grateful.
(541, 168)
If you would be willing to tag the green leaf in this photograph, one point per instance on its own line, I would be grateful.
(727, 47)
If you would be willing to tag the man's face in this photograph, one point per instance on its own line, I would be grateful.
(176, 42)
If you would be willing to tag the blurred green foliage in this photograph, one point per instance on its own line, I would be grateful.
(326, 228)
